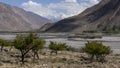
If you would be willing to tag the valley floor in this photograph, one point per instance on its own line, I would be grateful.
(64, 59)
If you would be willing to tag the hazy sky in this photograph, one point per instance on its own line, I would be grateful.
(53, 9)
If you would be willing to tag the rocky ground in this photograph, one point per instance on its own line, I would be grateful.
(64, 59)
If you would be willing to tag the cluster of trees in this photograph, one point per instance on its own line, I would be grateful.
(34, 43)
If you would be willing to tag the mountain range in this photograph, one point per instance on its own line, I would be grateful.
(103, 16)
(16, 19)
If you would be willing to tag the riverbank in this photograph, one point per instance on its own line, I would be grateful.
(112, 41)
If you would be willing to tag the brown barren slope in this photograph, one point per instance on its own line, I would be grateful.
(103, 16)
(16, 19)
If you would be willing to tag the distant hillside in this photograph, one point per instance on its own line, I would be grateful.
(16, 19)
(103, 16)
(46, 26)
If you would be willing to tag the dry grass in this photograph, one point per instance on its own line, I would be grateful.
(64, 59)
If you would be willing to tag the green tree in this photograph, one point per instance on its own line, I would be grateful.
(19, 43)
(28, 43)
(97, 50)
(29, 38)
(55, 47)
(23, 44)
(38, 44)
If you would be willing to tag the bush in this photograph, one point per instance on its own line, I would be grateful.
(57, 47)
(96, 49)
(69, 48)
(4, 43)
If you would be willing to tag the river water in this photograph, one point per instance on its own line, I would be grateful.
(113, 42)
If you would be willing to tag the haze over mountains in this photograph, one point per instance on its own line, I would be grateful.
(103, 16)
(16, 19)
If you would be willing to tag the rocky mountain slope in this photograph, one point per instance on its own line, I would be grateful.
(46, 26)
(103, 16)
(16, 19)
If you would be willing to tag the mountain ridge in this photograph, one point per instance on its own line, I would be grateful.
(16, 19)
(103, 16)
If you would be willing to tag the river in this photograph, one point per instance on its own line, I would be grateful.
(113, 42)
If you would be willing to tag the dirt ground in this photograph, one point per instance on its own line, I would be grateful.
(64, 59)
